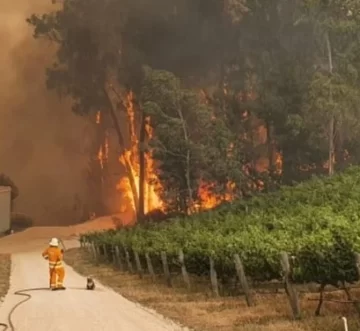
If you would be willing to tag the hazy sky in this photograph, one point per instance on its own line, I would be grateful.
(41, 141)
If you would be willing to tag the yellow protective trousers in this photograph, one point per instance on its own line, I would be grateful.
(56, 269)
(57, 275)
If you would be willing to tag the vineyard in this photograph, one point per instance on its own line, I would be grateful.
(314, 227)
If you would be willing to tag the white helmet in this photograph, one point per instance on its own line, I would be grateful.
(54, 242)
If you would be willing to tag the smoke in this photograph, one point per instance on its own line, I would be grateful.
(42, 144)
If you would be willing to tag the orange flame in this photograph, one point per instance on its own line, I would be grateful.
(278, 163)
(103, 153)
(151, 184)
(209, 199)
(98, 117)
(152, 187)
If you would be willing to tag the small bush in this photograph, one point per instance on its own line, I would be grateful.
(21, 221)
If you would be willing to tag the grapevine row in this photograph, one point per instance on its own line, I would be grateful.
(317, 223)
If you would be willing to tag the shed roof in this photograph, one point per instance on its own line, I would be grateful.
(5, 189)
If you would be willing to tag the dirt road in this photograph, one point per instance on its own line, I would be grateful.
(35, 238)
(73, 309)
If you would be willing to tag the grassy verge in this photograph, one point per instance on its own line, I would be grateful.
(5, 269)
(198, 310)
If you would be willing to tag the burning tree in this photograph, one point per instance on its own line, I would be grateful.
(90, 69)
(184, 130)
(265, 93)
(84, 70)
(141, 160)
(190, 145)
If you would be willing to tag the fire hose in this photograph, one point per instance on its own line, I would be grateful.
(23, 292)
(10, 325)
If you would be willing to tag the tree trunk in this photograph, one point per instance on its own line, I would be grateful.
(188, 159)
(332, 119)
(251, 152)
(142, 165)
(222, 63)
(121, 141)
(188, 181)
(95, 173)
(271, 155)
(331, 146)
(339, 152)
(270, 146)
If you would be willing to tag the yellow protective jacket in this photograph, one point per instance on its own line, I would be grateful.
(55, 257)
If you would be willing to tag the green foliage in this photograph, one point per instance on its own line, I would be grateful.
(333, 88)
(189, 143)
(316, 222)
(171, 110)
(253, 62)
(81, 64)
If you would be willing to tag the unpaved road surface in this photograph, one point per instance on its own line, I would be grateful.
(35, 238)
(73, 309)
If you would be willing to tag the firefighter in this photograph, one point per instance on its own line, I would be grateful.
(56, 268)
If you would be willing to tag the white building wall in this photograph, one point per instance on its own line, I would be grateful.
(5, 208)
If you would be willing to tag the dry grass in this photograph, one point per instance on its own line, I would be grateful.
(200, 311)
(5, 269)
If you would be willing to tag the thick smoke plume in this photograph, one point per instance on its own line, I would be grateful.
(42, 144)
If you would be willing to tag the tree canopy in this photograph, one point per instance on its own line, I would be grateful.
(241, 95)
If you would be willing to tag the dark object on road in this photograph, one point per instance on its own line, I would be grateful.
(90, 285)
(20, 222)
